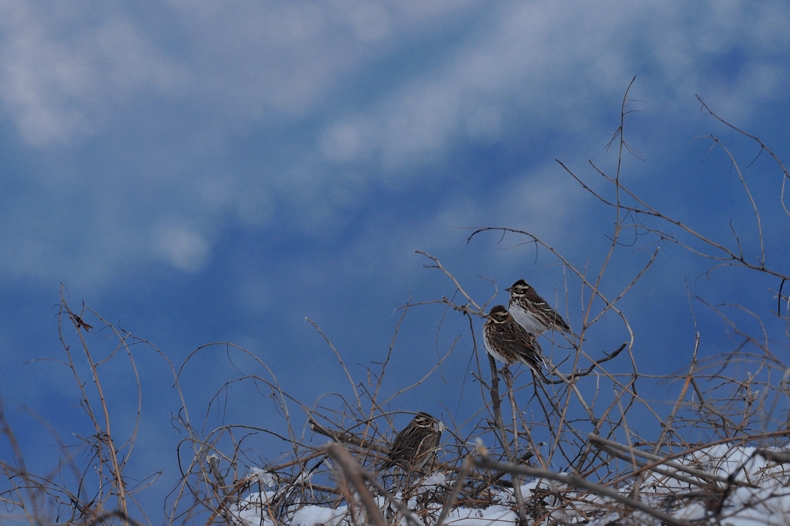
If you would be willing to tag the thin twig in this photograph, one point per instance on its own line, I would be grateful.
(574, 480)
(356, 475)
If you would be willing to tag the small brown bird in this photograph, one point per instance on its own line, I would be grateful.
(415, 446)
(532, 312)
(509, 342)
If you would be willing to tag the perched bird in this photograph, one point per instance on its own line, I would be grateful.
(532, 312)
(509, 342)
(416, 445)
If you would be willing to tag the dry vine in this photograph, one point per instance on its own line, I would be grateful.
(566, 451)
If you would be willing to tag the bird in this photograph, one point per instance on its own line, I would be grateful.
(532, 312)
(416, 444)
(510, 343)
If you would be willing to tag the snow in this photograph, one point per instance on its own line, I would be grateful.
(310, 515)
(750, 491)
(496, 514)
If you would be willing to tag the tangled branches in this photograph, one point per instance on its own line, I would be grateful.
(604, 439)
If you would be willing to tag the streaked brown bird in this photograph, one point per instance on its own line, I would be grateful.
(510, 343)
(416, 445)
(532, 312)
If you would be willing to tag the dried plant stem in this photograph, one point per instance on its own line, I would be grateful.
(630, 453)
(340, 359)
(103, 434)
(356, 475)
(466, 468)
(503, 440)
(574, 480)
(344, 437)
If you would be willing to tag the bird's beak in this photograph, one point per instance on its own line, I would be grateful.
(509, 289)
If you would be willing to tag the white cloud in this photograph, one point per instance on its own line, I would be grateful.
(342, 142)
(287, 58)
(39, 78)
(541, 202)
(210, 76)
(552, 65)
(55, 83)
(181, 246)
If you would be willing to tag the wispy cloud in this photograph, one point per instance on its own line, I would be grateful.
(166, 103)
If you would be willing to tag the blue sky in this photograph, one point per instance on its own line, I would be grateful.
(202, 171)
